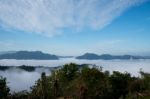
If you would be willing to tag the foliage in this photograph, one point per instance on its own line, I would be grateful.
(4, 90)
(146, 79)
(20, 95)
(120, 82)
(85, 83)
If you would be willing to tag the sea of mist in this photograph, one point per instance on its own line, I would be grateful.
(18, 79)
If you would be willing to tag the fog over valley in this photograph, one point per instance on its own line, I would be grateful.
(19, 79)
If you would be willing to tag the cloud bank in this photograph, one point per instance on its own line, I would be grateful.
(52, 17)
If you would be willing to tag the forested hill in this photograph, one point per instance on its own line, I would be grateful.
(38, 55)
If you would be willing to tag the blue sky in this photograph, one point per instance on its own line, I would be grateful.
(74, 27)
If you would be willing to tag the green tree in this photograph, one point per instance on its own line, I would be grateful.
(94, 81)
(42, 88)
(65, 77)
(120, 84)
(20, 95)
(146, 80)
(4, 90)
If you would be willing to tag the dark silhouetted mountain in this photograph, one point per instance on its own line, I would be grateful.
(91, 56)
(38, 55)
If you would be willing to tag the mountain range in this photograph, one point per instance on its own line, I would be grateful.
(91, 56)
(38, 55)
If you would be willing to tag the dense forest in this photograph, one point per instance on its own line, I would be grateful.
(74, 82)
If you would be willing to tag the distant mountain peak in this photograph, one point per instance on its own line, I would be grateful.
(89, 56)
(29, 55)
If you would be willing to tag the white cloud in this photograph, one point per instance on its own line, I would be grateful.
(49, 17)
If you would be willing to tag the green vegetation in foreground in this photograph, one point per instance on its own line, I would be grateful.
(72, 82)
(146, 97)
